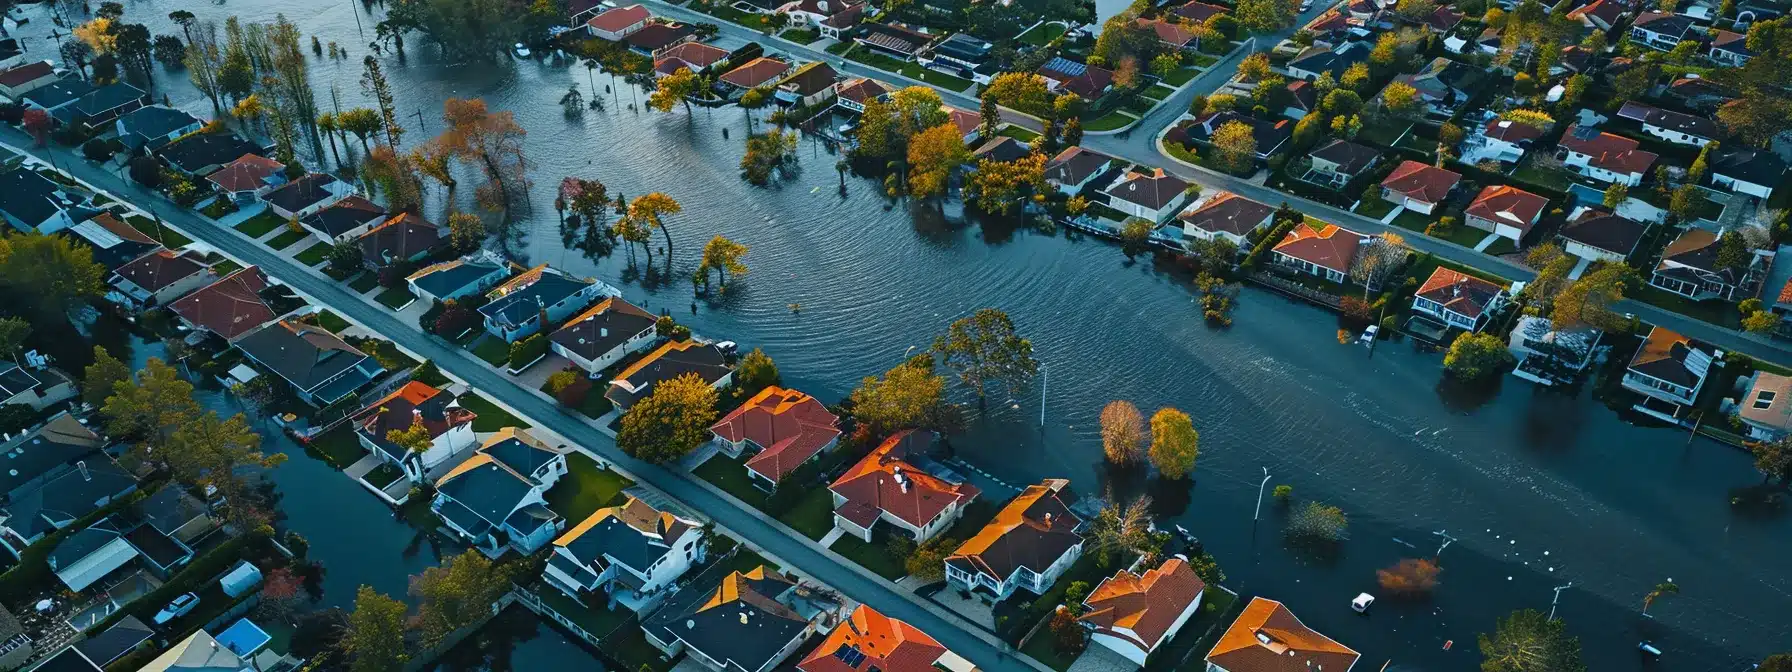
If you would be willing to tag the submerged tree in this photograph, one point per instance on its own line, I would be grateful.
(375, 636)
(1122, 433)
(984, 348)
(492, 144)
(1174, 443)
(1528, 641)
(722, 256)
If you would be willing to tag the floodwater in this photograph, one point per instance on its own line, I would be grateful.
(1538, 490)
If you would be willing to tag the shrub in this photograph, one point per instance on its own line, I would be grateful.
(561, 380)
(526, 351)
(1282, 493)
(1318, 522)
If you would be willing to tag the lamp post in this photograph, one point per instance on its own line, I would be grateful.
(1260, 486)
(1044, 377)
(1558, 597)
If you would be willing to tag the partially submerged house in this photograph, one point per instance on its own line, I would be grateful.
(1267, 636)
(496, 499)
(1766, 408)
(321, 368)
(1075, 168)
(1226, 215)
(779, 430)
(899, 486)
(1548, 356)
(1669, 368)
(1031, 542)
(1689, 267)
(1153, 196)
(448, 425)
(630, 554)
(230, 307)
(159, 277)
(1459, 300)
(1327, 252)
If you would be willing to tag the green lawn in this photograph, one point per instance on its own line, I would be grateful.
(1465, 236)
(168, 237)
(1181, 76)
(226, 267)
(874, 556)
(388, 354)
(1382, 135)
(491, 349)
(1204, 60)
(1501, 246)
(730, 14)
(731, 476)
(287, 238)
(491, 418)
(1377, 209)
(1024, 134)
(813, 515)
(219, 207)
(331, 321)
(396, 297)
(365, 283)
(1139, 105)
(338, 447)
(1158, 92)
(839, 48)
(585, 488)
(1529, 173)
(260, 225)
(1042, 34)
(1410, 220)
(314, 255)
(912, 70)
(801, 35)
(1111, 121)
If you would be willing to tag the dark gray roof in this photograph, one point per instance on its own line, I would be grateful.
(518, 306)
(704, 360)
(169, 508)
(101, 102)
(156, 547)
(69, 660)
(82, 543)
(467, 519)
(304, 355)
(521, 456)
(60, 442)
(1351, 158)
(1335, 60)
(15, 380)
(530, 518)
(303, 192)
(449, 280)
(197, 152)
(62, 92)
(718, 630)
(1750, 165)
(1003, 149)
(1605, 231)
(29, 197)
(963, 47)
(593, 334)
(153, 122)
(70, 493)
(344, 215)
(120, 639)
(618, 540)
(488, 491)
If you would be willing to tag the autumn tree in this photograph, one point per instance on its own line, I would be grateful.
(1135, 234)
(1411, 577)
(932, 156)
(374, 640)
(1235, 147)
(1024, 91)
(1174, 443)
(361, 122)
(650, 211)
(1401, 99)
(457, 594)
(669, 422)
(886, 127)
(1068, 636)
(770, 154)
(1120, 530)
(38, 124)
(492, 143)
(1773, 458)
(1529, 641)
(756, 372)
(1589, 300)
(997, 186)
(724, 257)
(984, 348)
(1377, 259)
(1262, 16)
(466, 231)
(415, 438)
(208, 450)
(396, 176)
(1615, 195)
(674, 89)
(1122, 433)
(928, 561)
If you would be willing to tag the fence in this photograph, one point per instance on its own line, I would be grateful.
(1296, 289)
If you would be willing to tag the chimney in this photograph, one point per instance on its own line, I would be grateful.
(1048, 519)
(603, 332)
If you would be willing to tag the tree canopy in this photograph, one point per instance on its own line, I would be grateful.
(669, 422)
(984, 348)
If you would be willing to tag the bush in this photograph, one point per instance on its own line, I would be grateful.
(1316, 522)
(561, 380)
(526, 351)
(96, 150)
(1282, 493)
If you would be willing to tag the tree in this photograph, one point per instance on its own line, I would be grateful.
(1235, 147)
(1732, 249)
(1262, 16)
(1317, 522)
(1415, 10)
(670, 422)
(998, 186)
(457, 594)
(1073, 132)
(932, 156)
(99, 33)
(1254, 67)
(346, 257)
(1120, 530)
(492, 143)
(361, 122)
(185, 20)
(908, 396)
(674, 89)
(1135, 234)
(373, 83)
(1401, 99)
(1382, 57)
(1779, 662)
(1024, 91)
(466, 231)
(49, 274)
(1760, 322)
(374, 638)
(1355, 77)
(928, 562)
(1528, 641)
(38, 123)
(1615, 195)
(1122, 433)
(1589, 300)
(756, 372)
(13, 332)
(650, 211)
(1068, 636)
(455, 319)
(1660, 590)
(1475, 357)
(415, 438)
(1411, 577)
(722, 256)
(984, 348)
(1773, 458)
(102, 377)
(170, 51)
(1122, 38)
(135, 48)
(769, 154)
(1174, 443)
(1377, 259)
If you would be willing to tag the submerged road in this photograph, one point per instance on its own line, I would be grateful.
(773, 537)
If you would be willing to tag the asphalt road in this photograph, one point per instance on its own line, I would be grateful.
(795, 550)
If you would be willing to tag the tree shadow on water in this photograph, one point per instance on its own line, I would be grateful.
(1170, 497)
(1467, 396)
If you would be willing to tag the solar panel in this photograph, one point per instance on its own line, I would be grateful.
(1585, 133)
(1066, 66)
(851, 655)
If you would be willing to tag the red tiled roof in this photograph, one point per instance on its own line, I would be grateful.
(1331, 247)
(159, 269)
(1444, 18)
(862, 90)
(1508, 205)
(1421, 181)
(966, 121)
(229, 307)
(1199, 12)
(887, 644)
(1458, 292)
(395, 412)
(1142, 609)
(1510, 131)
(27, 73)
(871, 486)
(693, 55)
(246, 173)
(1168, 33)
(1615, 153)
(617, 19)
(1268, 638)
(756, 72)
(788, 426)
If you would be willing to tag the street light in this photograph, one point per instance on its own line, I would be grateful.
(1552, 601)
(1044, 377)
(1260, 487)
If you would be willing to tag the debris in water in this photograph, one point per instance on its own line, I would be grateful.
(796, 308)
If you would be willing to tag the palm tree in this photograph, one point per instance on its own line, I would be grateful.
(326, 124)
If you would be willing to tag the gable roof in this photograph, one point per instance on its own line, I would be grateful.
(606, 326)
(1142, 609)
(61, 440)
(634, 534)
(1199, 12)
(402, 236)
(1605, 231)
(248, 172)
(114, 242)
(520, 298)
(1032, 531)
(1664, 23)
(1694, 247)
(655, 36)
(1086, 81)
(1332, 247)
(861, 90)
(30, 197)
(59, 93)
(1664, 354)
(154, 123)
(1167, 33)
(869, 640)
(1350, 157)
(1333, 59)
(788, 426)
(1267, 637)
(1074, 165)
(893, 37)
(1510, 131)
(614, 20)
(1768, 401)
(887, 480)
(1671, 120)
(230, 307)
(1153, 190)
(1615, 153)
(1229, 213)
(160, 269)
(411, 404)
(305, 355)
(1421, 181)
(665, 363)
(1508, 205)
(693, 55)
(1001, 149)
(1736, 43)
(304, 192)
(488, 487)
(756, 73)
(201, 150)
(1599, 12)
(1750, 165)
(1459, 293)
(737, 619)
(27, 73)
(344, 215)
(810, 79)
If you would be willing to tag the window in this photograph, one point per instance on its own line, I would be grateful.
(1764, 399)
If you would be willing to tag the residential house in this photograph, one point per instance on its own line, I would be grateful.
(754, 74)
(1730, 49)
(1419, 187)
(599, 338)
(1674, 127)
(900, 486)
(156, 278)
(1548, 356)
(1501, 140)
(831, 18)
(37, 388)
(853, 94)
(19, 80)
(1458, 299)
(519, 307)
(781, 429)
(1086, 81)
(450, 428)
(496, 499)
(105, 648)
(1316, 60)
(1226, 215)
(1670, 368)
(69, 659)
(1171, 35)
(1154, 196)
(1505, 211)
(1327, 252)
(1697, 93)
(968, 123)
(1446, 85)
(1031, 542)
(113, 244)
(669, 361)
(693, 56)
(176, 514)
(1597, 235)
(344, 220)
(56, 95)
(1199, 12)
(656, 37)
(56, 474)
(1662, 31)
(892, 39)
(960, 55)
(1600, 14)
(32, 203)
(809, 85)
(99, 107)
(731, 621)
(631, 554)
(201, 154)
(1303, 98)
(1267, 636)
(321, 367)
(1074, 168)
(1766, 409)
(1605, 157)
(89, 554)
(1747, 171)
(618, 23)
(1003, 149)
(1689, 268)
(1270, 136)
(154, 126)
(230, 307)
(400, 239)
(1574, 58)
(578, 12)
(1133, 613)
(868, 641)
(1444, 19)
(300, 198)
(247, 178)
(459, 278)
(1338, 162)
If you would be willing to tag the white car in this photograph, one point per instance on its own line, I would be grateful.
(1306, 5)
(181, 606)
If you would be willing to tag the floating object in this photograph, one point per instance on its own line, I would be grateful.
(520, 50)
(796, 308)
(1448, 643)
(45, 605)
(1362, 602)
(1649, 648)
(1368, 336)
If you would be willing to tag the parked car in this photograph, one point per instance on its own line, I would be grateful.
(181, 606)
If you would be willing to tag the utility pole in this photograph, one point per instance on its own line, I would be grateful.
(1447, 541)
(420, 126)
(1260, 486)
(1557, 598)
(1044, 377)
(351, 10)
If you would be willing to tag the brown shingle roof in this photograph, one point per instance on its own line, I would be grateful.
(1459, 293)
(756, 72)
(1421, 181)
(1168, 33)
(1511, 131)
(1605, 231)
(811, 79)
(1033, 531)
(247, 173)
(1141, 609)
(1228, 213)
(160, 269)
(694, 55)
(1331, 247)
(1268, 638)
(1199, 12)
(229, 307)
(27, 73)
(1508, 205)
(1154, 190)
(862, 90)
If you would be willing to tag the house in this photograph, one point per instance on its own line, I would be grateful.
(1328, 252)
(38, 388)
(853, 94)
(1505, 211)
(56, 95)
(173, 512)
(1001, 150)
(1698, 93)
(344, 220)
(1267, 636)
(1270, 137)
(154, 126)
(1747, 171)
(1338, 162)
(230, 307)
(600, 337)
(892, 39)
(831, 18)
(1316, 60)
(782, 429)
(1131, 613)
(1599, 14)
(1574, 58)
(665, 363)
(1153, 196)
(968, 123)
(1031, 542)
(1730, 49)
(19, 80)
(1446, 85)
(105, 648)
(113, 242)
(656, 36)
(69, 660)
(300, 198)
(732, 621)
(1766, 409)
(809, 85)
(1604, 157)
(1674, 127)
(618, 23)
(401, 238)
(450, 428)
(1689, 268)
(321, 367)
(1596, 235)
(536, 300)
(248, 177)
(1086, 81)
(1074, 168)
(159, 277)
(755, 73)
(83, 558)
(56, 474)
(1170, 35)
(1669, 367)
(1199, 12)
(960, 55)
(1419, 187)
(1548, 356)
(868, 641)
(1662, 31)
(495, 500)
(1226, 215)
(1303, 98)
(1501, 140)
(450, 280)
(201, 154)
(1444, 19)
(1458, 299)
(32, 203)
(631, 554)
(201, 652)
(898, 485)
(693, 56)
(100, 106)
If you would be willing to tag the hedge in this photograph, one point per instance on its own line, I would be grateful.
(526, 351)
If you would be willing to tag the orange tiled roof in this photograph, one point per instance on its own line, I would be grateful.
(1033, 531)
(1331, 247)
(1268, 638)
(788, 426)
(888, 644)
(1142, 608)
(1459, 292)
(871, 486)
(1421, 181)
